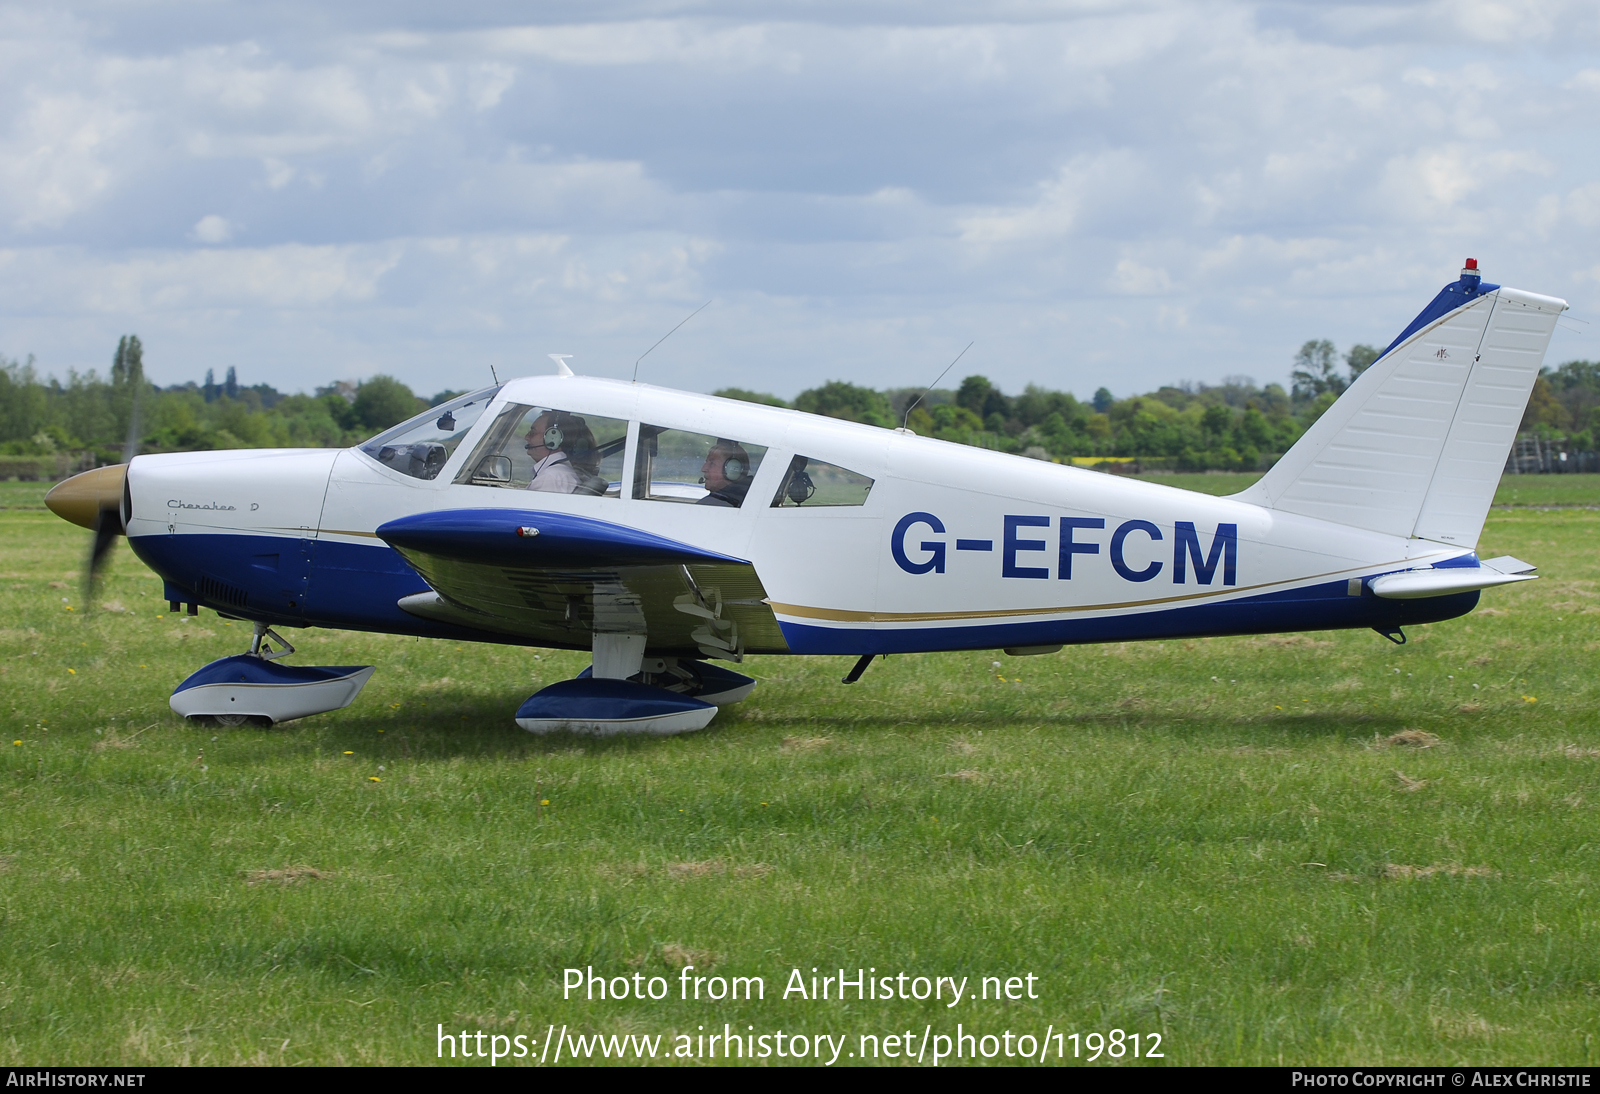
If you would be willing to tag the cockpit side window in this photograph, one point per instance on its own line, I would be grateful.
(549, 450)
(816, 484)
(694, 468)
(422, 446)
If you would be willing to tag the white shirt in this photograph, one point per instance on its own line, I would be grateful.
(555, 475)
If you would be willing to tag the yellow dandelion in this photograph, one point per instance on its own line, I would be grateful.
(373, 779)
(69, 607)
(16, 742)
(546, 801)
(74, 672)
(1277, 708)
(1529, 699)
(349, 753)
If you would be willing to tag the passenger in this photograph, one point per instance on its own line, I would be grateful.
(562, 448)
(726, 474)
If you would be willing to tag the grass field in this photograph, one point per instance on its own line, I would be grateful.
(1316, 848)
(1537, 491)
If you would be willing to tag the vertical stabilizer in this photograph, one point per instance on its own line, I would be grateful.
(1417, 444)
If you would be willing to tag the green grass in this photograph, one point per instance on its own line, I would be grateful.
(1548, 490)
(23, 495)
(1534, 491)
(1210, 482)
(1209, 839)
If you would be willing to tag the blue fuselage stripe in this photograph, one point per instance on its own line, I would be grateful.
(1313, 608)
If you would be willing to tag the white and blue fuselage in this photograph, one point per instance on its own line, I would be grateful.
(940, 546)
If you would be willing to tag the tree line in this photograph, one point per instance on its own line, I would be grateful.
(50, 425)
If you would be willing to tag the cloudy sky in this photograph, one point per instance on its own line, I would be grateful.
(1123, 194)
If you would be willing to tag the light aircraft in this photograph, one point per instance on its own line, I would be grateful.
(672, 533)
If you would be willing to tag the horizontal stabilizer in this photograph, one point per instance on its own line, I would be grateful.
(1508, 565)
(1416, 584)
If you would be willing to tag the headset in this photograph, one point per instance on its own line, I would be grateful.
(554, 435)
(734, 468)
(800, 489)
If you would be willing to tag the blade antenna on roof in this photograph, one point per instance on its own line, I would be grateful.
(933, 385)
(664, 337)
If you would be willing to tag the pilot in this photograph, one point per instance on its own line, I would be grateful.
(726, 474)
(551, 443)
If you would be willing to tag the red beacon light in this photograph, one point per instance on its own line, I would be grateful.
(1471, 269)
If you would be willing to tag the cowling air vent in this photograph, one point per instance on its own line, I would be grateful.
(218, 591)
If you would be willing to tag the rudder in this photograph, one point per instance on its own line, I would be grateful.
(1417, 444)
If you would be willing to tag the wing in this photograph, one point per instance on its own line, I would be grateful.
(556, 579)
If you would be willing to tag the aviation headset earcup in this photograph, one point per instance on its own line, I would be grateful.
(733, 469)
(553, 436)
(800, 489)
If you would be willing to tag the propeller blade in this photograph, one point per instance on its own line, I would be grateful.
(108, 518)
(107, 527)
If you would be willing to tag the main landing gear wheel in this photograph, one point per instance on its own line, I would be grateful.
(604, 708)
(626, 692)
(231, 720)
(697, 679)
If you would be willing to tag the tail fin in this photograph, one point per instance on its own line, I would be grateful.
(1417, 444)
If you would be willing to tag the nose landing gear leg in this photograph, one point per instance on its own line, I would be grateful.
(258, 647)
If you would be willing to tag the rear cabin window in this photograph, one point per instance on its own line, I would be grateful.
(422, 446)
(816, 484)
(550, 450)
(694, 468)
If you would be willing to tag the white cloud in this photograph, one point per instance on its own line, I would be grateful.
(1582, 206)
(855, 192)
(1055, 208)
(1139, 280)
(212, 229)
(650, 41)
(59, 156)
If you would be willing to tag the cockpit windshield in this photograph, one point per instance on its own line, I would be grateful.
(422, 446)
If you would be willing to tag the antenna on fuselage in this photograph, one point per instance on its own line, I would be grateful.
(561, 363)
(664, 337)
(933, 385)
